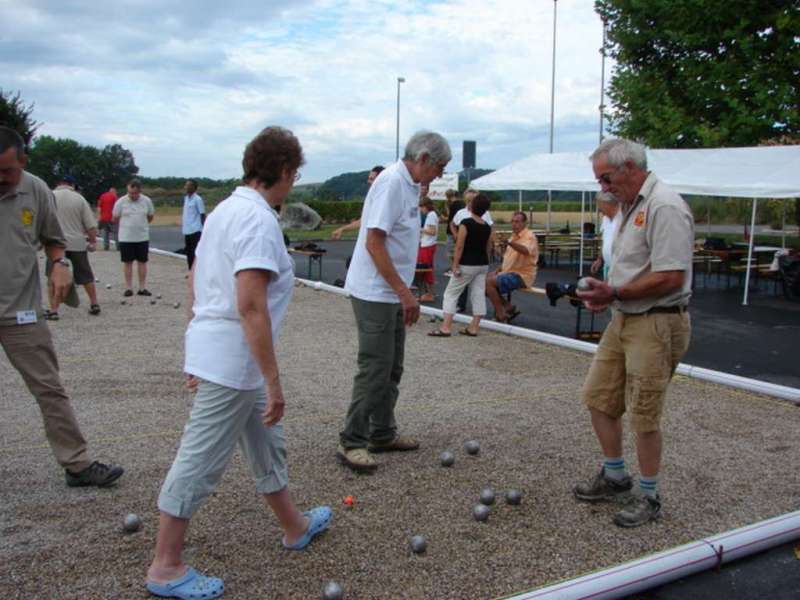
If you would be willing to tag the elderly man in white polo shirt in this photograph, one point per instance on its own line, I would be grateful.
(378, 282)
(648, 287)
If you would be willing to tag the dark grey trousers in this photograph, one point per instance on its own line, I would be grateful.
(381, 347)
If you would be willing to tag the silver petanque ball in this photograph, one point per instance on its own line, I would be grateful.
(108, 286)
(332, 591)
(472, 447)
(176, 305)
(152, 301)
(513, 497)
(583, 285)
(447, 459)
(481, 512)
(487, 496)
(123, 302)
(158, 296)
(132, 523)
(419, 544)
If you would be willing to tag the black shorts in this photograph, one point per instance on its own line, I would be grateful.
(81, 269)
(133, 251)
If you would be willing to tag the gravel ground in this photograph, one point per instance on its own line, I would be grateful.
(726, 458)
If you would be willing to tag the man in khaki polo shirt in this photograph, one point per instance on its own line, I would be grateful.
(80, 230)
(648, 289)
(28, 218)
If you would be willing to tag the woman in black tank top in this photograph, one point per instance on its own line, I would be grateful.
(470, 265)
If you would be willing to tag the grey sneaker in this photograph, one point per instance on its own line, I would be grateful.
(642, 509)
(601, 488)
(97, 474)
(357, 459)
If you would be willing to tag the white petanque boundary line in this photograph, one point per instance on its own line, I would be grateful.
(661, 568)
(735, 381)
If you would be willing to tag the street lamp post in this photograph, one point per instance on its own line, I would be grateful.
(397, 135)
(552, 104)
(603, 79)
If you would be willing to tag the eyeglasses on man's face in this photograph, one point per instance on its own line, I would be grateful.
(606, 177)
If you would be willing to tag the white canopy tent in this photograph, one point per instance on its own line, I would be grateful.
(753, 172)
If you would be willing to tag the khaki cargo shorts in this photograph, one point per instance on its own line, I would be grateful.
(634, 363)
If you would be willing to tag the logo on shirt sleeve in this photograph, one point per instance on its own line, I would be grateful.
(26, 217)
(639, 220)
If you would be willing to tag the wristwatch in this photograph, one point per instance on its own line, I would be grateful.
(615, 293)
(61, 261)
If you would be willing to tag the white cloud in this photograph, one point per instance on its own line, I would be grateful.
(185, 89)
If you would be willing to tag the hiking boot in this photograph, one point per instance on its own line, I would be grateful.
(398, 444)
(94, 309)
(642, 509)
(143, 292)
(601, 488)
(128, 293)
(357, 459)
(95, 474)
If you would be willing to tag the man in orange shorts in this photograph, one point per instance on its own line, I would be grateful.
(648, 289)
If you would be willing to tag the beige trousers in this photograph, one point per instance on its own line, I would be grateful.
(30, 350)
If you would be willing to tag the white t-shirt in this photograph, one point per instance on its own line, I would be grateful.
(133, 225)
(241, 233)
(392, 206)
(431, 220)
(464, 213)
(608, 229)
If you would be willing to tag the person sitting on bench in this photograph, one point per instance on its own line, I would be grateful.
(518, 269)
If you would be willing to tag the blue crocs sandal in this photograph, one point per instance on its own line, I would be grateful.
(320, 518)
(192, 586)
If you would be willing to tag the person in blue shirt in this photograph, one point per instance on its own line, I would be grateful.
(194, 215)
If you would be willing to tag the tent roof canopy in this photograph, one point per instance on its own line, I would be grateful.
(754, 172)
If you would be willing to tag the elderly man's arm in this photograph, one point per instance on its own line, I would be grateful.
(376, 246)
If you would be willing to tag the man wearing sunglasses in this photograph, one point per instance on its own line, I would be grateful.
(648, 290)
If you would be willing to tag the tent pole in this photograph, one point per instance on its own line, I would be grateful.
(750, 252)
(520, 201)
(583, 205)
(783, 226)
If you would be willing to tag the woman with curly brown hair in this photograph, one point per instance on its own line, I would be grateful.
(242, 281)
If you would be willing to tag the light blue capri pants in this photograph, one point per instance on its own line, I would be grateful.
(221, 417)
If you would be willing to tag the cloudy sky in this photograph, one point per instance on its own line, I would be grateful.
(186, 84)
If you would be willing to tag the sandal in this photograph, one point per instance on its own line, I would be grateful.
(50, 315)
(191, 586)
(467, 332)
(319, 519)
(94, 309)
(438, 333)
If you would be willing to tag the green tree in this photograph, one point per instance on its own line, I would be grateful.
(14, 113)
(95, 170)
(703, 73)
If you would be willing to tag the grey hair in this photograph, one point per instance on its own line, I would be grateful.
(428, 143)
(606, 197)
(9, 138)
(619, 150)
